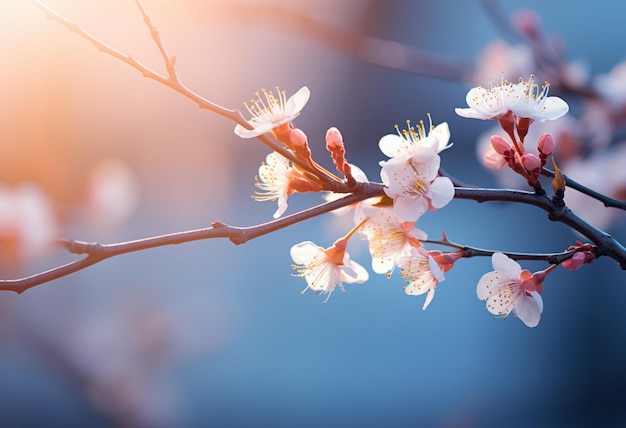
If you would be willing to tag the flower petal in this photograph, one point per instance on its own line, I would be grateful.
(441, 192)
(410, 209)
(506, 266)
(303, 252)
(529, 309)
(352, 272)
(429, 297)
(297, 101)
(442, 133)
(488, 285)
(252, 133)
(391, 145)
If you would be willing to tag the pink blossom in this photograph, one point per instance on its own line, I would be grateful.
(325, 269)
(510, 289)
(409, 140)
(273, 111)
(388, 236)
(414, 185)
(278, 179)
(525, 99)
(27, 223)
(422, 273)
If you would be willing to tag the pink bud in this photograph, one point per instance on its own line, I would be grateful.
(334, 140)
(298, 138)
(492, 159)
(500, 145)
(531, 162)
(546, 144)
(574, 262)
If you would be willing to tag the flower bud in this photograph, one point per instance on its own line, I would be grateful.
(491, 159)
(334, 144)
(334, 140)
(500, 145)
(298, 139)
(546, 144)
(300, 145)
(574, 262)
(531, 162)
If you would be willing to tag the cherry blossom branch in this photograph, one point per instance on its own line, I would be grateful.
(95, 252)
(606, 244)
(332, 36)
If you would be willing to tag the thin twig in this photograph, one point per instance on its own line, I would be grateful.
(173, 82)
(606, 200)
(170, 61)
(469, 251)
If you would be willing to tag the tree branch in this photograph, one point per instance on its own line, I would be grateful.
(170, 61)
(606, 200)
(606, 244)
(470, 251)
(95, 252)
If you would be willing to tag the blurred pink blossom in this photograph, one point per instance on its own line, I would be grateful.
(27, 224)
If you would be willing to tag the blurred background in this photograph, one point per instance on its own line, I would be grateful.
(210, 334)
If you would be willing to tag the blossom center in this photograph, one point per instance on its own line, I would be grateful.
(413, 134)
(272, 108)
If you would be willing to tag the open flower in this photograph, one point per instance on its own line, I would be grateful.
(537, 105)
(273, 112)
(422, 273)
(389, 237)
(279, 179)
(524, 99)
(409, 140)
(413, 184)
(274, 175)
(493, 103)
(510, 289)
(324, 269)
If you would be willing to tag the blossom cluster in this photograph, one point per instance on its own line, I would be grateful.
(413, 185)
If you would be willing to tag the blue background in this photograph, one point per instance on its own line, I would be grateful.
(264, 355)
